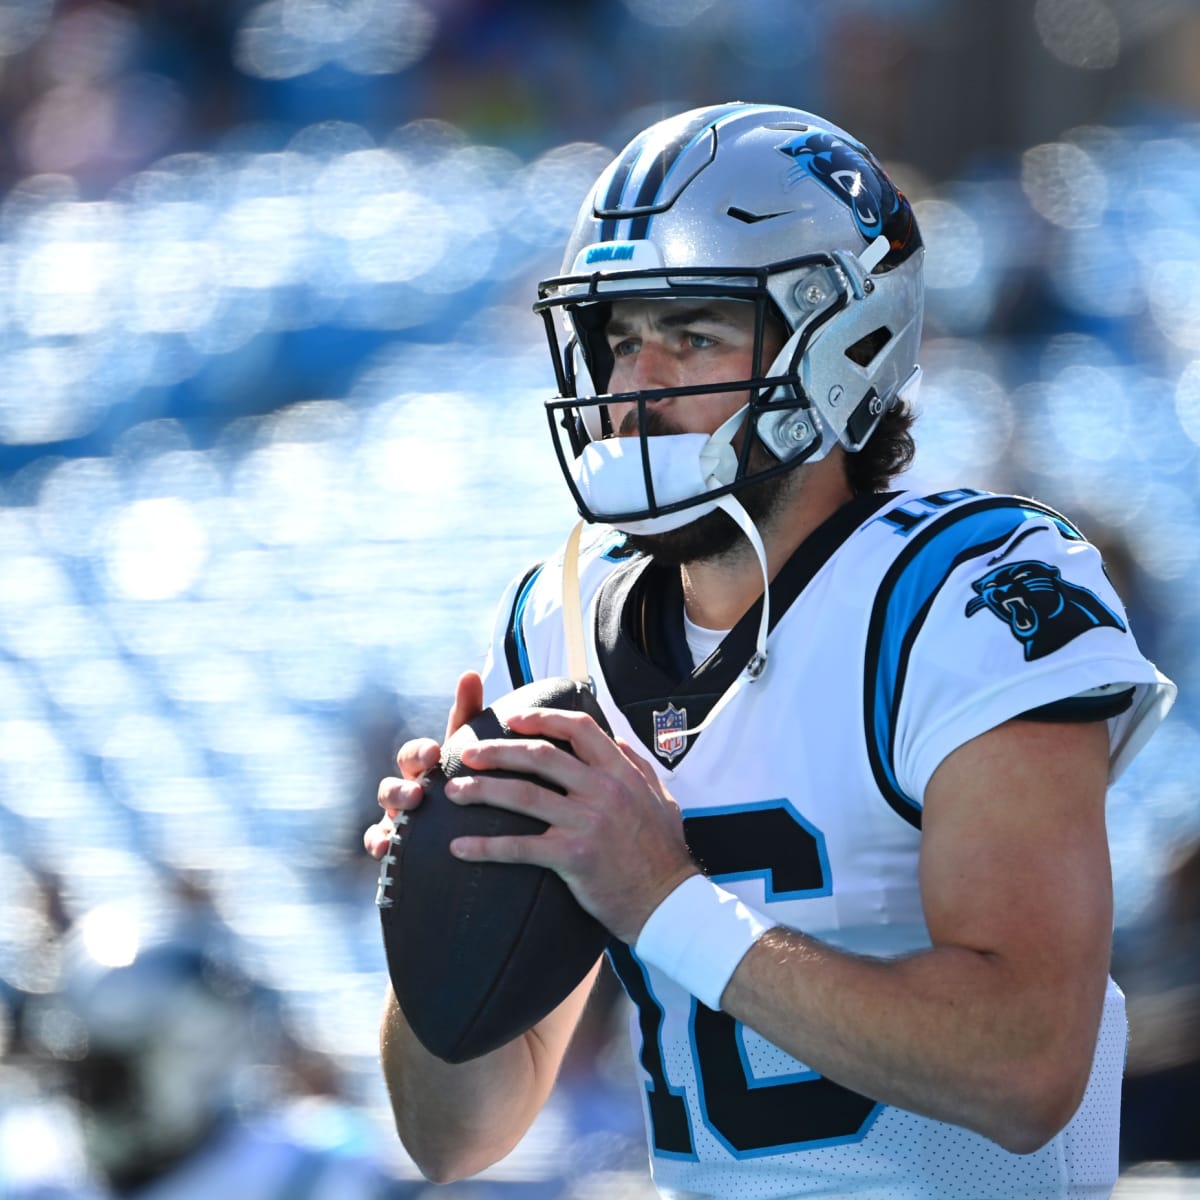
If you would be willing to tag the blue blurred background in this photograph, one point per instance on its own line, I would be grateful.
(271, 443)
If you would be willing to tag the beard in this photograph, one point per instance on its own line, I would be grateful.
(715, 535)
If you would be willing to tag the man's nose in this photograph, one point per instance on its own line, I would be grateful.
(653, 367)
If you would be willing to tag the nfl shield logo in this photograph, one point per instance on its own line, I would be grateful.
(669, 738)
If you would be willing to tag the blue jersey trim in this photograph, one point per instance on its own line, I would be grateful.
(516, 646)
(902, 604)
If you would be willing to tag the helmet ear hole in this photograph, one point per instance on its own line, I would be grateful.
(864, 351)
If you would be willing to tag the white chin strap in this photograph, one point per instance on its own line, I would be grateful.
(611, 478)
(758, 661)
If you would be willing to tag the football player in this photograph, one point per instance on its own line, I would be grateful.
(165, 1071)
(850, 836)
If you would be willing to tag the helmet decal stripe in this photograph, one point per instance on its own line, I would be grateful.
(662, 166)
(645, 167)
(612, 201)
(659, 167)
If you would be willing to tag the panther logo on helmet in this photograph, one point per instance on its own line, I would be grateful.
(850, 175)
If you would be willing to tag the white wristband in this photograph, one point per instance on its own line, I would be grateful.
(698, 935)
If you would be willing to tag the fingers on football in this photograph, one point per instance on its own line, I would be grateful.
(590, 743)
(417, 756)
(549, 765)
(570, 853)
(398, 795)
(536, 757)
(377, 838)
(506, 849)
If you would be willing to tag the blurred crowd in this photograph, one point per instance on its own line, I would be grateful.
(266, 360)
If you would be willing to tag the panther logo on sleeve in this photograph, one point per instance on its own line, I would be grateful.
(1043, 611)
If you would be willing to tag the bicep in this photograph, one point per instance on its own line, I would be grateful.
(1014, 859)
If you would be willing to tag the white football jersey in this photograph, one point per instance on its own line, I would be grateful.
(902, 628)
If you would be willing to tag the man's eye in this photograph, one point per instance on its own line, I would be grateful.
(700, 341)
(625, 347)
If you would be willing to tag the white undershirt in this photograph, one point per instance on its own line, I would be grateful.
(701, 642)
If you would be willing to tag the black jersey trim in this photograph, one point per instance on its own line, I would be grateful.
(1082, 709)
(902, 604)
(642, 680)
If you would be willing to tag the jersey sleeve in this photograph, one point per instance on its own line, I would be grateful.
(1013, 629)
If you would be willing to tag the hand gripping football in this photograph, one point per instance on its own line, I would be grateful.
(478, 953)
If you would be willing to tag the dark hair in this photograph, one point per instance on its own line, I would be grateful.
(889, 450)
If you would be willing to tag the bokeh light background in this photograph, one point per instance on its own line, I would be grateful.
(271, 438)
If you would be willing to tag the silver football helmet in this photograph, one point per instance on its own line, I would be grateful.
(769, 205)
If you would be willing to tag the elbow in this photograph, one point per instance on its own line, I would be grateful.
(450, 1159)
(1037, 1109)
(437, 1172)
(442, 1171)
(445, 1164)
(1026, 1133)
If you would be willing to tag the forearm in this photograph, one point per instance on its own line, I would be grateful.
(951, 1033)
(449, 1117)
(457, 1119)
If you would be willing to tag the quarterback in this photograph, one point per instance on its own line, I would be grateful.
(849, 838)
